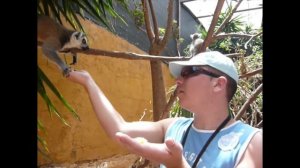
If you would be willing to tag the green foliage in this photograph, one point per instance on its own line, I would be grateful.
(43, 79)
(186, 51)
(99, 10)
(176, 110)
(235, 24)
(246, 87)
(236, 44)
(175, 30)
(138, 14)
(181, 40)
(161, 31)
(202, 31)
(42, 91)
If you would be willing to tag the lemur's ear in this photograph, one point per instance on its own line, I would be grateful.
(77, 35)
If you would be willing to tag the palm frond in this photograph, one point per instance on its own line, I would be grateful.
(97, 9)
(43, 143)
(40, 126)
(56, 92)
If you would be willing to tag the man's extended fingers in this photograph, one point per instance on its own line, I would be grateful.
(174, 148)
(145, 149)
(131, 144)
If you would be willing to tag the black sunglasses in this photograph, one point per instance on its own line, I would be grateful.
(190, 71)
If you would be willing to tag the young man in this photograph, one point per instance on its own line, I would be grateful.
(212, 138)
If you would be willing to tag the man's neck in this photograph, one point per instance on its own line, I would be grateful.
(210, 121)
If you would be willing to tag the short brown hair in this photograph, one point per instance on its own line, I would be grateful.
(231, 85)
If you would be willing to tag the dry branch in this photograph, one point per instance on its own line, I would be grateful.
(221, 36)
(228, 18)
(147, 21)
(259, 124)
(154, 21)
(251, 73)
(212, 26)
(251, 39)
(248, 102)
(169, 24)
(166, 111)
(233, 55)
(127, 55)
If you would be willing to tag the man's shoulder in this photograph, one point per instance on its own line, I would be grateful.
(246, 125)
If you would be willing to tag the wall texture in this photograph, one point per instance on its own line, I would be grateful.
(126, 83)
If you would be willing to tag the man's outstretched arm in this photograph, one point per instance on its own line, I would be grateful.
(168, 153)
(110, 119)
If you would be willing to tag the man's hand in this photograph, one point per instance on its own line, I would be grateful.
(81, 77)
(168, 153)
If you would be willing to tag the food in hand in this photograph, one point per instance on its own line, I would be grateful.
(141, 140)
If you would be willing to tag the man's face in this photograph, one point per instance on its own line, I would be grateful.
(194, 87)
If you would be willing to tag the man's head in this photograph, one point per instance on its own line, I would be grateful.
(221, 64)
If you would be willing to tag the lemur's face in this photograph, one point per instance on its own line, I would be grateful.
(195, 36)
(79, 40)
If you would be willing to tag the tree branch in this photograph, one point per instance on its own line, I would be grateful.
(248, 102)
(212, 26)
(252, 73)
(154, 21)
(126, 55)
(251, 39)
(147, 21)
(169, 24)
(166, 111)
(228, 18)
(259, 124)
(221, 36)
(233, 55)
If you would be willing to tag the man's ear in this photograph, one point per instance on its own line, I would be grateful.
(219, 83)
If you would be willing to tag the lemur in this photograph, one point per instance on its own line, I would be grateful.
(196, 44)
(55, 38)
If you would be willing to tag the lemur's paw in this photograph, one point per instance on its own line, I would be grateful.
(66, 72)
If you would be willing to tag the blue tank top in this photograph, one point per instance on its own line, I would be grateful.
(224, 151)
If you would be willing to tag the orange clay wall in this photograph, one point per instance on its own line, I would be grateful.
(126, 83)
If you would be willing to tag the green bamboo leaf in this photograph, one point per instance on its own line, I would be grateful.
(81, 7)
(77, 21)
(42, 92)
(114, 13)
(52, 108)
(81, 13)
(43, 143)
(100, 3)
(41, 126)
(56, 92)
(44, 154)
(110, 3)
(45, 7)
(71, 15)
(65, 11)
(39, 9)
(55, 10)
(94, 13)
(96, 8)
(91, 10)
